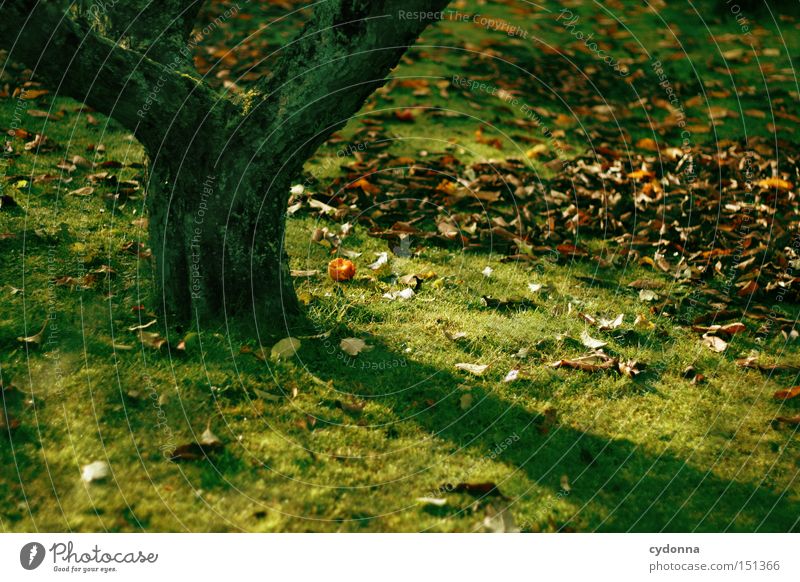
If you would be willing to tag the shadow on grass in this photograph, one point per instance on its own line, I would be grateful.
(616, 484)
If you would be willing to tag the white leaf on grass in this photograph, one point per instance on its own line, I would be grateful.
(608, 324)
(647, 295)
(285, 348)
(476, 369)
(499, 519)
(37, 338)
(96, 471)
(535, 287)
(354, 346)
(321, 206)
(304, 272)
(383, 258)
(714, 343)
(487, 272)
(511, 376)
(591, 342)
(143, 326)
(438, 502)
(208, 438)
(404, 294)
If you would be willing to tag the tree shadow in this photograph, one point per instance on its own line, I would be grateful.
(616, 484)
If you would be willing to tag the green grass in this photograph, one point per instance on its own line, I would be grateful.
(651, 453)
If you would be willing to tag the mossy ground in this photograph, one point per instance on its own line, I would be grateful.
(654, 453)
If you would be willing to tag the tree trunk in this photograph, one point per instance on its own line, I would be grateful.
(217, 234)
(220, 166)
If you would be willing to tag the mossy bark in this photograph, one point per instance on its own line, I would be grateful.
(217, 231)
(220, 167)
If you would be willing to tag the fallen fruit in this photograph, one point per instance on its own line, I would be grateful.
(341, 269)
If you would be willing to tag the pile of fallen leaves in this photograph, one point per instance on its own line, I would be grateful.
(723, 220)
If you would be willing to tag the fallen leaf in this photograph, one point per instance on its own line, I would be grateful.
(383, 259)
(40, 113)
(188, 341)
(152, 340)
(645, 284)
(435, 501)
(647, 295)
(404, 115)
(85, 191)
(571, 250)
(591, 342)
(610, 324)
(209, 439)
(591, 363)
(37, 338)
(630, 368)
(752, 363)
(96, 471)
(402, 295)
(499, 519)
(787, 393)
(647, 143)
(725, 331)
(714, 343)
(354, 346)
(733, 328)
(285, 348)
(476, 369)
(304, 273)
(33, 93)
(142, 326)
(777, 183)
(365, 186)
(321, 206)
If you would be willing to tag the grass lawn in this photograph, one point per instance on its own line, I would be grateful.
(324, 441)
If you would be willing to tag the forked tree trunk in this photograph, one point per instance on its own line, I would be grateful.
(220, 167)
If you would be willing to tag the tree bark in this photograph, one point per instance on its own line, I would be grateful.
(220, 170)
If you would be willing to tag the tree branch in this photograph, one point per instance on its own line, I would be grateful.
(159, 29)
(116, 81)
(336, 63)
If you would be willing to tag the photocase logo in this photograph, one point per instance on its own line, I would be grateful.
(31, 555)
